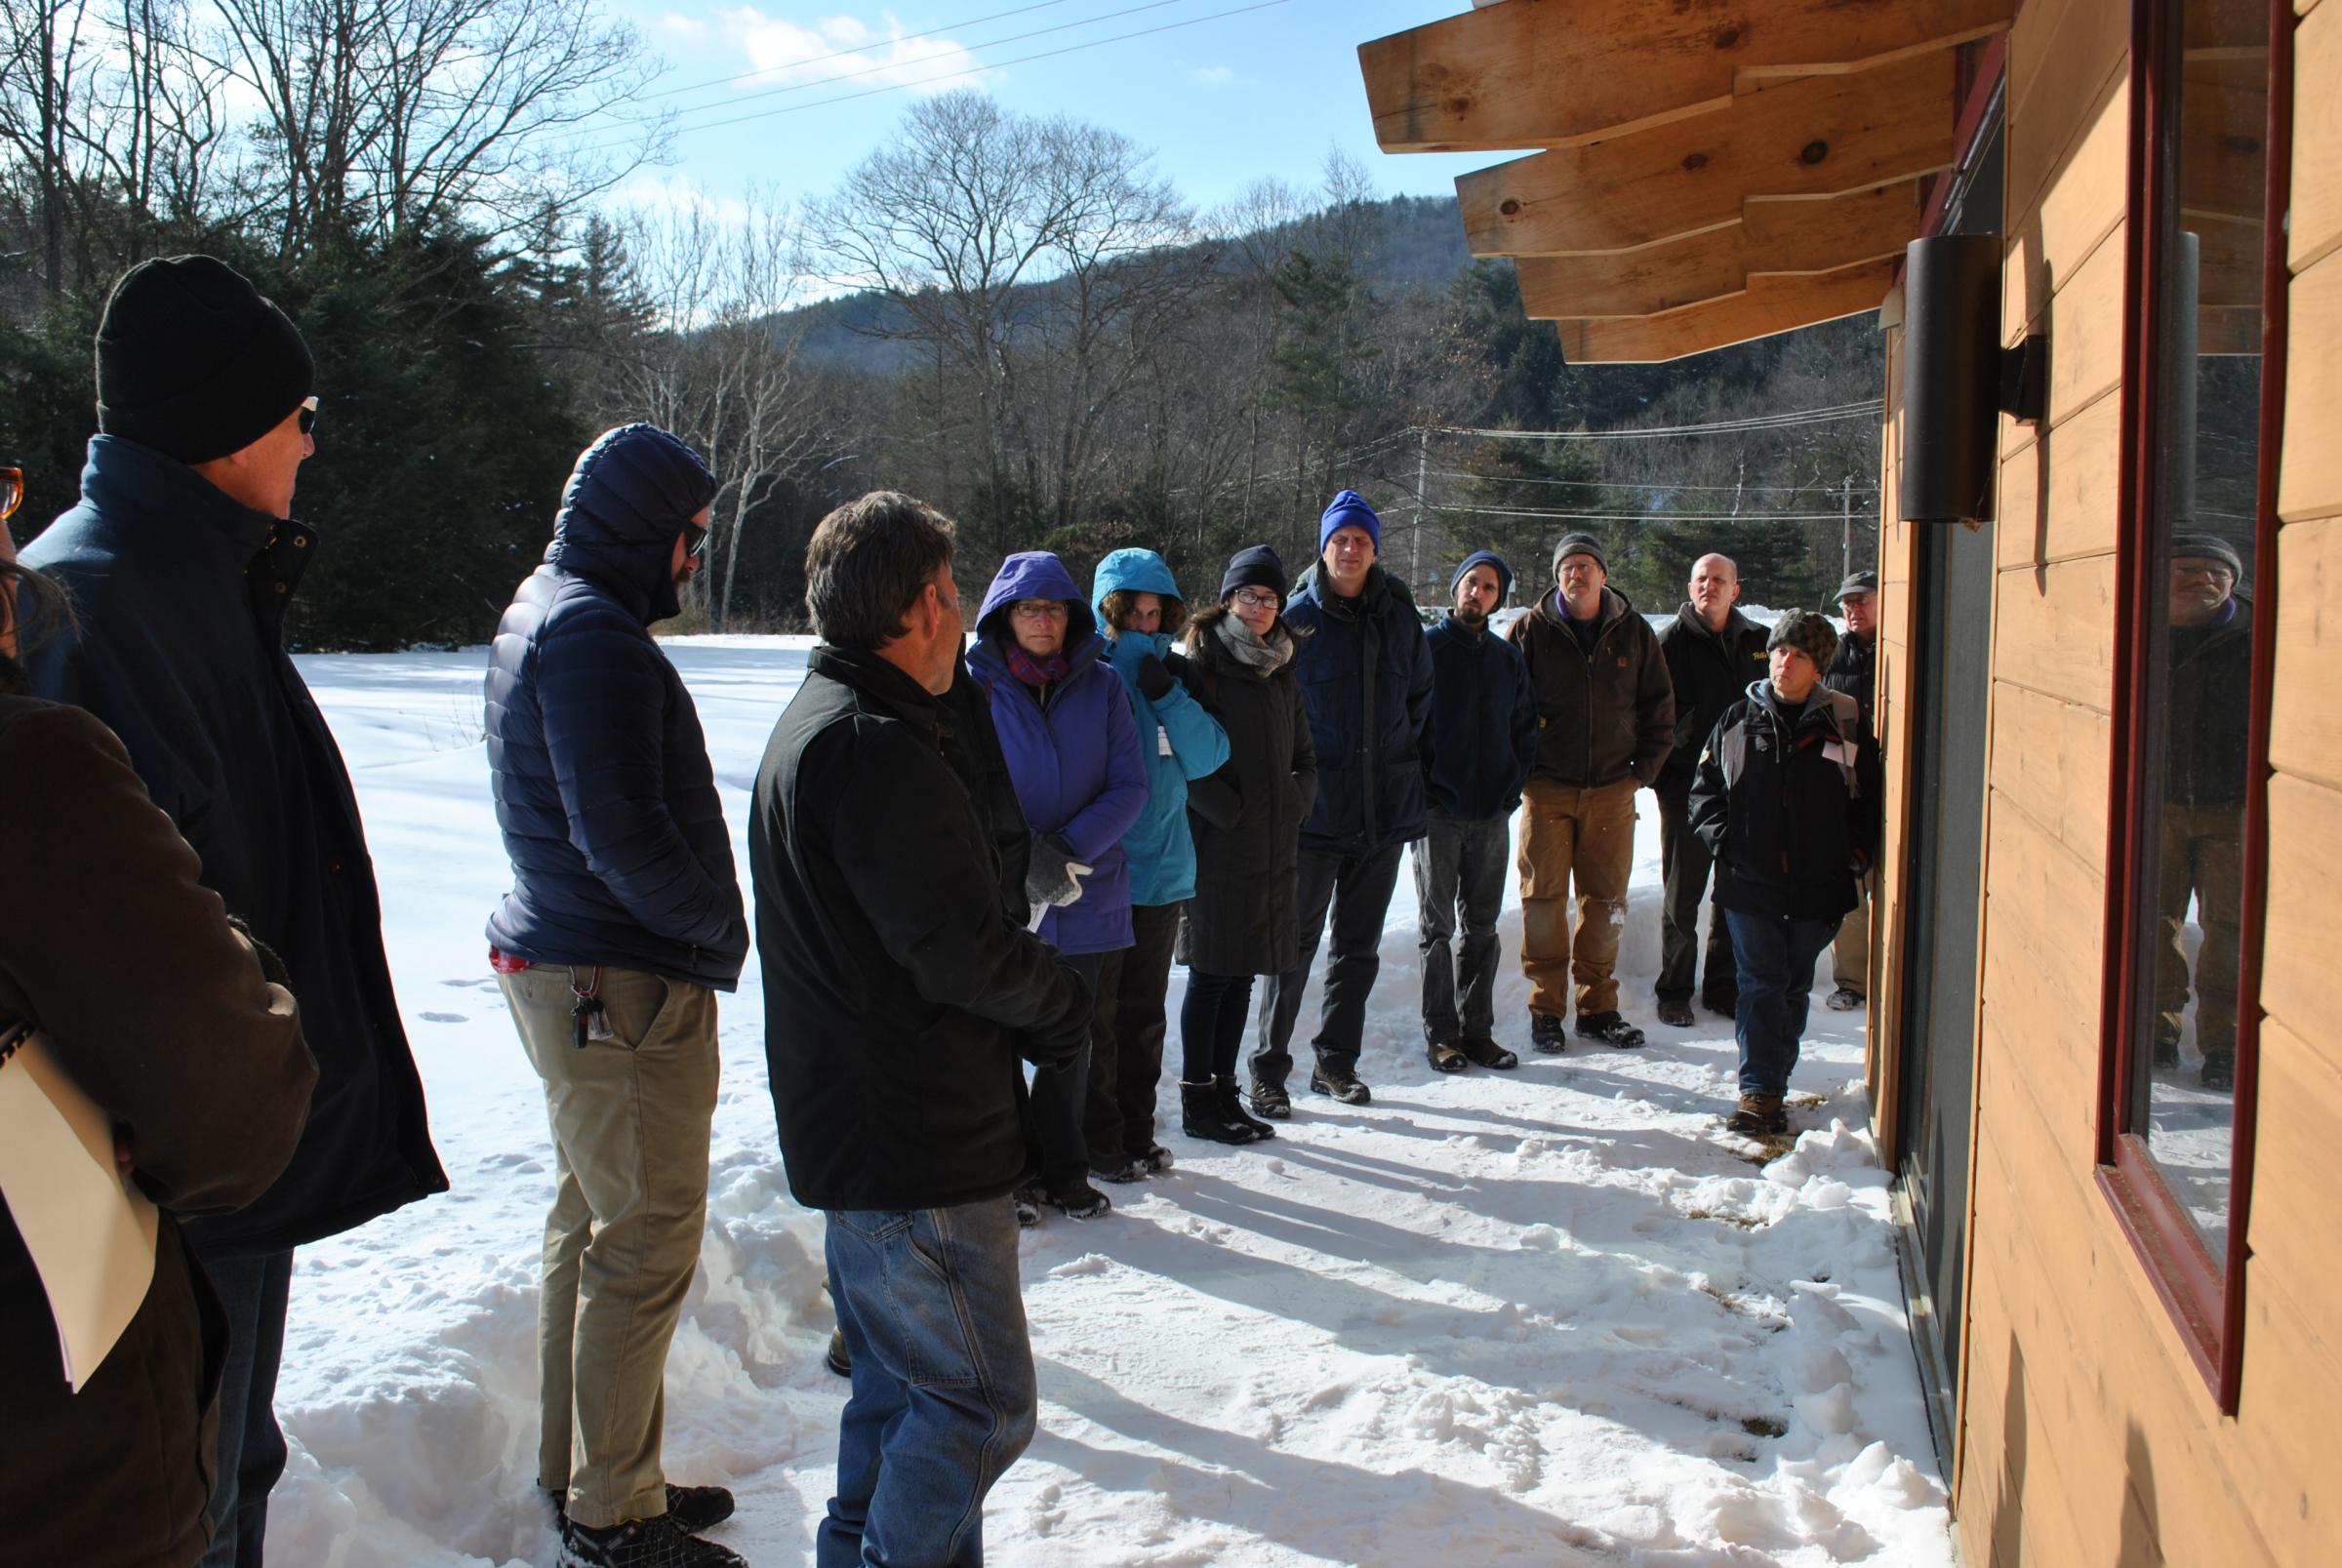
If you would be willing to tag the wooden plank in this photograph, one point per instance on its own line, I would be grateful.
(2297, 945)
(2316, 193)
(1551, 73)
(1823, 136)
(2223, 144)
(2061, 55)
(1771, 237)
(2057, 495)
(2310, 469)
(2054, 759)
(2084, 325)
(2290, 1389)
(2042, 962)
(2079, 209)
(2052, 629)
(1769, 304)
(2297, 1166)
(2305, 723)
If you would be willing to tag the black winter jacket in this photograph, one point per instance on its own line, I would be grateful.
(1601, 717)
(603, 789)
(896, 983)
(1854, 671)
(1246, 816)
(181, 594)
(1789, 806)
(1365, 673)
(1710, 672)
(1483, 728)
(2211, 687)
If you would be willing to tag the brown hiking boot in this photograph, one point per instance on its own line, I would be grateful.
(1758, 1117)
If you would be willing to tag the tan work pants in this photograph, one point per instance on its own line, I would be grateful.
(629, 1121)
(1586, 835)
(1850, 953)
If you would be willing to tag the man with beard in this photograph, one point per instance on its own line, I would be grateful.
(624, 921)
(1482, 734)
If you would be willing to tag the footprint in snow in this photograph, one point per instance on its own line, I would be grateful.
(444, 1018)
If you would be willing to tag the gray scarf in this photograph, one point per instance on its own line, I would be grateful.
(1266, 656)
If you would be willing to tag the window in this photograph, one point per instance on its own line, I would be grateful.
(2195, 584)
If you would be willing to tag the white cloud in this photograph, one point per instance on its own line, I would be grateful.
(1215, 75)
(874, 55)
(683, 27)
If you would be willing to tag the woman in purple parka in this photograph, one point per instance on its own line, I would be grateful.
(1072, 749)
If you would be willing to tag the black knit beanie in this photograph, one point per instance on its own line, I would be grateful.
(193, 362)
(1808, 631)
(1256, 568)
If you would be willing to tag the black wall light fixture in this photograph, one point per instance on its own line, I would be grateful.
(1957, 379)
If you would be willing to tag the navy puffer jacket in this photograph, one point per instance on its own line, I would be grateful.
(603, 789)
(1366, 671)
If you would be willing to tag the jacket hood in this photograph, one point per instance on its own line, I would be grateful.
(627, 500)
(1132, 570)
(1036, 574)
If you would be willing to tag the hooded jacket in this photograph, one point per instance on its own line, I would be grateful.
(1601, 716)
(1365, 673)
(1709, 671)
(1483, 728)
(1073, 749)
(595, 756)
(1788, 804)
(1177, 738)
(181, 594)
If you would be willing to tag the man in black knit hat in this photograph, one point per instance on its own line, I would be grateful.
(181, 558)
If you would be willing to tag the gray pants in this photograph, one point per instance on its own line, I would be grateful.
(1685, 864)
(1460, 872)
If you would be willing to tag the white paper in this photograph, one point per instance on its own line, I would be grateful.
(89, 1232)
(1163, 741)
(1838, 752)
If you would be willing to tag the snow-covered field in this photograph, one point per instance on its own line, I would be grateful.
(1551, 1317)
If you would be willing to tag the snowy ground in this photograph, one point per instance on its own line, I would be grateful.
(1552, 1317)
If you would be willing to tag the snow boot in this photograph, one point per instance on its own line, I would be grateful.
(1446, 1055)
(1233, 1103)
(839, 1359)
(1723, 1004)
(1269, 1100)
(1158, 1159)
(1029, 1205)
(1121, 1169)
(1202, 1115)
(693, 1508)
(1758, 1117)
(1075, 1199)
(660, 1543)
(1342, 1082)
(1844, 999)
(1611, 1030)
(2219, 1069)
(1548, 1033)
(1676, 1013)
(1488, 1054)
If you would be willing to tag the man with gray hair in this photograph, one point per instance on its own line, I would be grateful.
(1713, 652)
(1854, 671)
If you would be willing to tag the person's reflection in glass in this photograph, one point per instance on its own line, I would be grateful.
(2204, 802)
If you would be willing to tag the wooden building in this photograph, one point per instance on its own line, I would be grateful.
(2116, 1265)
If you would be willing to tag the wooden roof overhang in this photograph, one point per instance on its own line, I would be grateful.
(1712, 170)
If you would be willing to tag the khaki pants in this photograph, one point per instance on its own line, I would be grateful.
(2202, 854)
(1589, 835)
(629, 1121)
(1850, 953)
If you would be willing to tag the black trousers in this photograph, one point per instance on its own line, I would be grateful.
(1127, 1036)
(1460, 870)
(1211, 1026)
(1684, 863)
(1356, 888)
(1060, 1097)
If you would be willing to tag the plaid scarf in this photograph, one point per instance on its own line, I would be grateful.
(1035, 672)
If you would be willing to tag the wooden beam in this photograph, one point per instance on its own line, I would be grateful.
(1554, 73)
(1769, 304)
(1825, 135)
(1771, 237)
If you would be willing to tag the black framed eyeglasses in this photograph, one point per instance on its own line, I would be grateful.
(695, 540)
(309, 416)
(12, 492)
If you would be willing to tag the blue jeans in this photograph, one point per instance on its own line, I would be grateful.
(254, 1292)
(1775, 957)
(943, 1393)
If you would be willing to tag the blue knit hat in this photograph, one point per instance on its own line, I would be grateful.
(1349, 509)
(1492, 560)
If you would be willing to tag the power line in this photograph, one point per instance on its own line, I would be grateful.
(1760, 421)
(1646, 516)
(1636, 484)
(977, 70)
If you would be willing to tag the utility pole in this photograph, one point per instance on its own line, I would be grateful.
(1423, 447)
(1845, 511)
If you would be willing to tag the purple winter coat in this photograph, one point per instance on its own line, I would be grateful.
(1076, 763)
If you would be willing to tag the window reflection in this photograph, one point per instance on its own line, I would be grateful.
(2199, 655)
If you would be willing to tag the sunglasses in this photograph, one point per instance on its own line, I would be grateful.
(12, 492)
(309, 416)
(695, 540)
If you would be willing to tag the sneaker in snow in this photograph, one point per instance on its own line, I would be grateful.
(1611, 1030)
(1269, 1100)
(695, 1508)
(1844, 999)
(1342, 1083)
(659, 1542)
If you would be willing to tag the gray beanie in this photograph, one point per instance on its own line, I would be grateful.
(1578, 545)
(2208, 548)
(1808, 631)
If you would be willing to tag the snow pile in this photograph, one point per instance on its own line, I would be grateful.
(1551, 1316)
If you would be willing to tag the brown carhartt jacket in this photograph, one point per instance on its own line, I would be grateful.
(1603, 716)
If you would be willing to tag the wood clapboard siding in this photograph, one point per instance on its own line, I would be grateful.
(2317, 193)
(2310, 476)
(2305, 722)
(2058, 491)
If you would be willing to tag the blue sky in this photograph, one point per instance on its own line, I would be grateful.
(1223, 101)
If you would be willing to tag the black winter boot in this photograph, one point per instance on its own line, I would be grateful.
(1233, 1103)
(660, 1543)
(1549, 1033)
(1202, 1115)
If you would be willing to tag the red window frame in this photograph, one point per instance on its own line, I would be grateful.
(2205, 1296)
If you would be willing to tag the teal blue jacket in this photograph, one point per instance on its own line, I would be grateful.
(1178, 738)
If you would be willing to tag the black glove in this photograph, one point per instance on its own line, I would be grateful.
(1155, 679)
(1181, 668)
(1051, 876)
(1059, 1042)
